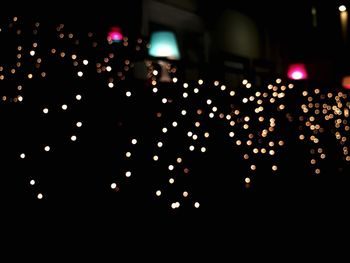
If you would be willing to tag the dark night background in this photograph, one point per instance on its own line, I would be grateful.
(75, 178)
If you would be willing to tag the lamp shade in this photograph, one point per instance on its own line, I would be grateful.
(346, 82)
(297, 71)
(164, 44)
(115, 34)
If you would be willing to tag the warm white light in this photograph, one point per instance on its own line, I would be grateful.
(108, 68)
(155, 158)
(164, 130)
(45, 110)
(171, 180)
(209, 102)
(22, 155)
(200, 82)
(40, 196)
(32, 52)
(78, 97)
(64, 107)
(196, 90)
(128, 174)
(80, 73)
(47, 148)
(232, 93)
(211, 115)
(196, 205)
(171, 167)
(164, 100)
(79, 124)
(134, 141)
(110, 85)
(113, 185)
(185, 194)
(85, 62)
(342, 8)
(128, 154)
(274, 168)
(155, 90)
(73, 138)
(185, 95)
(183, 112)
(174, 124)
(191, 148)
(247, 180)
(203, 149)
(158, 193)
(231, 134)
(20, 98)
(32, 182)
(174, 80)
(214, 109)
(128, 93)
(159, 144)
(189, 134)
(195, 137)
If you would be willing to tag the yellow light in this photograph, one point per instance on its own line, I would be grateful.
(247, 180)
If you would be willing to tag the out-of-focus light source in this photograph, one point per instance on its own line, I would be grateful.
(115, 34)
(346, 82)
(342, 8)
(164, 44)
(297, 71)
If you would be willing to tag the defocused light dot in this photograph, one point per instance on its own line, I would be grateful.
(64, 107)
(200, 82)
(191, 148)
(164, 100)
(203, 149)
(164, 130)
(73, 138)
(80, 73)
(171, 167)
(247, 180)
(159, 144)
(253, 167)
(32, 182)
(128, 154)
(173, 205)
(128, 93)
(174, 80)
(197, 124)
(158, 193)
(110, 85)
(85, 62)
(155, 158)
(271, 152)
(185, 85)
(45, 110)
(209, 101)
(196, 205)
(248, 86)
(32, 52)
(274, 168)
(155, 90)
(281, 143)
(113, 185)
(179, 160)
(30, 76)
(78, 97)
(206, 135)
(40, 196)
(185, 194)
(128, 174)
(231, 134)
(278, 81)
(189, 134)
(223, 87)
(108, 68)
(342, 8)
(79, 124)
(195, 137)
(134, 141)
(171, 180)
(22, 155)
(183, 112)
(174, 124)
(211, 115)
(47, 148)
(232, 93)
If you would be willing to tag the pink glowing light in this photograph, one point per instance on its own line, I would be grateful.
(346, 82)
(297, 71)
(115, 34)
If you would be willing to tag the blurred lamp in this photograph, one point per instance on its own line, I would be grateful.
(164, 44)
(346, 82)
(115, 34)
(297, 71)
